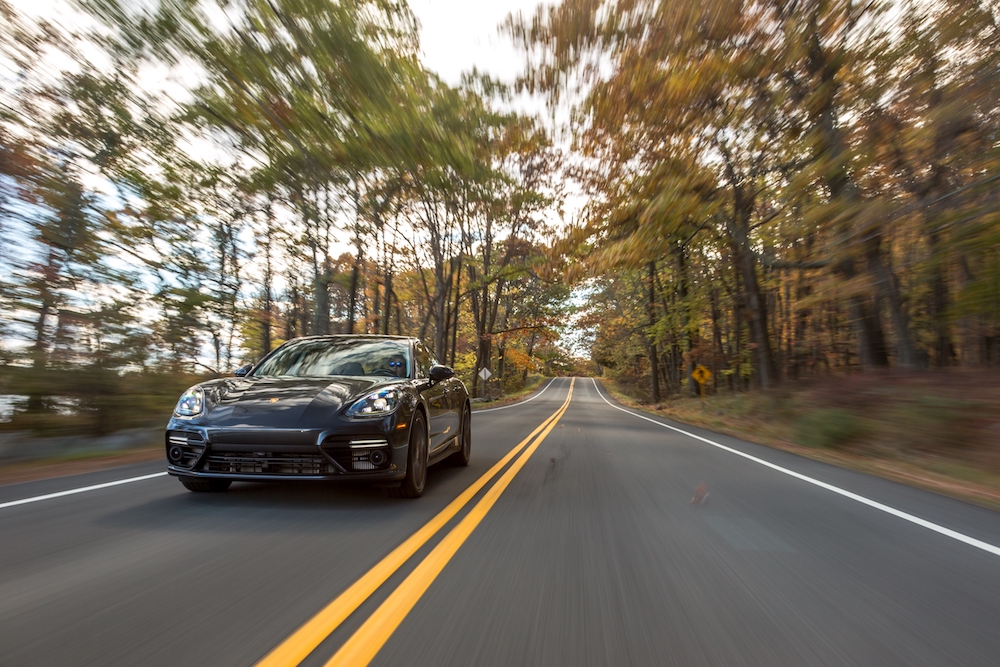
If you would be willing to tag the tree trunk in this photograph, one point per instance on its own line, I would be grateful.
(352, 299)
(755, 303)
(943, 347)
(388, 303)
(265, 325)
(39, 351)
(530, 350)
(720, 352)
(686, 344)
(888, 290)
(440, 305)
(654, 369)
(377, 307)
(455, 311)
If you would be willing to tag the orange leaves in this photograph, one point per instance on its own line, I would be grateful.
(518, 360)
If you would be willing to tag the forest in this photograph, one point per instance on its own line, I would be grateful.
(783, 188)
(779, 190)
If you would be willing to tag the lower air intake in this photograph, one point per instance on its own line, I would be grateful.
(364, 454)
(269, 464)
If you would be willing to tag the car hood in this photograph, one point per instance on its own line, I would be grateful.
(283, 402)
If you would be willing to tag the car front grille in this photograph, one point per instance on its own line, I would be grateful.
(269, 463)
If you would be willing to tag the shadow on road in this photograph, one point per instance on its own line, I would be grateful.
(287, 506)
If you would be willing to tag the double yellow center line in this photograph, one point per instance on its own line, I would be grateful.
(372, 635)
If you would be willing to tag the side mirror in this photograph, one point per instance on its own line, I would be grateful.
(441, 373)
(243, 370)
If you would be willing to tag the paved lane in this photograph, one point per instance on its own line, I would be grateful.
(593, 555)
(149, 573)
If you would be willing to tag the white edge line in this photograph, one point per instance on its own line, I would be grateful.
(514, 405)
(82, 489)
(955, 535)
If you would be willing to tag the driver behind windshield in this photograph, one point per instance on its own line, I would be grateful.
(326, 357)
(397, 364)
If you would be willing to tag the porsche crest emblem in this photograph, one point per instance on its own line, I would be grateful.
(274, 400)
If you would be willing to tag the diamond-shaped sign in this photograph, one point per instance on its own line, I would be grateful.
(485, 374)
(701, 374)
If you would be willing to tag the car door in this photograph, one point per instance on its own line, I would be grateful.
(457, 400)
(438, 399)
(455, 403)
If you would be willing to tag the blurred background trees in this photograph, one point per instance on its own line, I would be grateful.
(187, 185)
(779, 188)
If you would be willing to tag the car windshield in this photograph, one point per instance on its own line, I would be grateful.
(347, 356)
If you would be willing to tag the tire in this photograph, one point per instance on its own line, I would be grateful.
(462, 456)
(206, 485)
(416, 461)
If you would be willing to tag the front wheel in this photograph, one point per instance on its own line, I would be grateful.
(462, 456)
(416, 461)
(205, 485)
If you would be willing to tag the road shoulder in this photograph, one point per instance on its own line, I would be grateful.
(32, 471)
(983, 495)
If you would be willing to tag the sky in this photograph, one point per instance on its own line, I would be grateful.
(456, 35)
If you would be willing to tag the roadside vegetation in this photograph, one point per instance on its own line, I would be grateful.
(937, 431)
(780, 190)
(498, 397)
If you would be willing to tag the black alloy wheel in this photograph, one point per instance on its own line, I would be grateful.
(416, 461)
(462, 456)
(205, 485)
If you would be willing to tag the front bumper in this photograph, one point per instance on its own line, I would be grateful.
(373, 451)
(394, 475)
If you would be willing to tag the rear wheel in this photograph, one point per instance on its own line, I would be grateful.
(416, 461)
(462, 456)
(206, 485)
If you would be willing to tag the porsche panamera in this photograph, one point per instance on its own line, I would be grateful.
(359, 407)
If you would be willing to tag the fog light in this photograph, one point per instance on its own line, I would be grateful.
(377, 457)
(176, 454)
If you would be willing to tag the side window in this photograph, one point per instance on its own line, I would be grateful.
(424, 360)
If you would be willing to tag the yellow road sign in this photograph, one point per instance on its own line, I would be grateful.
(701, 374)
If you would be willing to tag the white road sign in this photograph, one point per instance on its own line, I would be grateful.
(485, 374)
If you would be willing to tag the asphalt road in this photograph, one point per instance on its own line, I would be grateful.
(589, 552)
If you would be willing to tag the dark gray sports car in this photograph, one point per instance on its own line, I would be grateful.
(376, 408)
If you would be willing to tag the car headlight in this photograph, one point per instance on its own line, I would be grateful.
(192, 403)
(376, 404)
